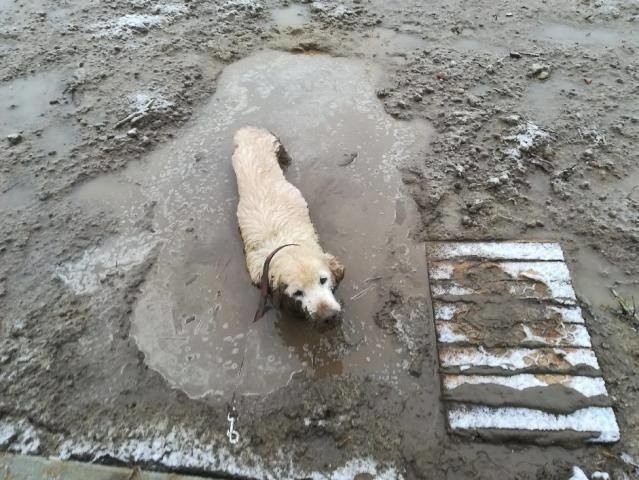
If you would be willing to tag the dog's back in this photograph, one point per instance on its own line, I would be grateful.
(271, 211)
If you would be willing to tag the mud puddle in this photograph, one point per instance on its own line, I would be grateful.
(467, 44)
(599, 36)
(593, 276)
(193, 319)
(384, 42)
(291, 16)
(15, 193)
(38, 106)
(546, 101)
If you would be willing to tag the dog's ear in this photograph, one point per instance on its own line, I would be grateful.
(336, 268)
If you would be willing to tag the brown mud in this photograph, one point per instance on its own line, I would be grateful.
(124, 302)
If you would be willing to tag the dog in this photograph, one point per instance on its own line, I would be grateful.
(281, 245)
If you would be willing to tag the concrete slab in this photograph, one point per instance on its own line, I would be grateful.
(25, 467)
(515, 354)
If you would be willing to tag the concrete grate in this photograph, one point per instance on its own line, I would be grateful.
(515, 355)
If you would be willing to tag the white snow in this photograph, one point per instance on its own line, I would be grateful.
(19, 437)
(591, 419)
(446, 311)
(118, 254)
(140, 99)
(159, 14)
(541, 271)
(7, 433)
(559, 291)
(171, 8)
(513, 358)
(528, 136)
(446, 334)
(441, 271)
(578, 474)
(587, 386)
(553, 274)
(600, 476)
(495, 250)
(571, 335)
(569, 314)
(180, 448)
(450, 288)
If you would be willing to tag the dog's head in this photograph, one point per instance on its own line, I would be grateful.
(306, 280)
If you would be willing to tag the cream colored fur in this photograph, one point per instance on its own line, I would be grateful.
(272, 212)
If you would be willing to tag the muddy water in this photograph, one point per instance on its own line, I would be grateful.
(193, 319)
(384, 42)
(291, 16)
(568, 34)
(546, 101)
(38, 106)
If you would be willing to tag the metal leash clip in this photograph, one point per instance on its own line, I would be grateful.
(231, 433)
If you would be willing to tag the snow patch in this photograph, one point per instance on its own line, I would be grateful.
(451, 288)
(600, 476)
(587, 386)
(446, 312)
(569, 314)
(570, 335)
(446, 334)
(118, 254)
(139, 100)
(19, 437)
(541, 271)
(495, 250)
(159, 14)
(591, 419)
(578, 474)
(527, 137)
(179, 448)
(513, 358)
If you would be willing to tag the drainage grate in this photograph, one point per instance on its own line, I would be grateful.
(515, 356)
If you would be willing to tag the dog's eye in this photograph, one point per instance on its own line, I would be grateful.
(323, 280)
(298, 293)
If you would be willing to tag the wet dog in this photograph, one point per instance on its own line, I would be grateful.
(281, 245)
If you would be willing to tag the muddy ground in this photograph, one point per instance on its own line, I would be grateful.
(511, 121)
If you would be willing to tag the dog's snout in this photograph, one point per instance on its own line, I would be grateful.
(326, 311)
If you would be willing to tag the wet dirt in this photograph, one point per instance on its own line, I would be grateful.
(193, 320)
(555, 398)
(113, 249)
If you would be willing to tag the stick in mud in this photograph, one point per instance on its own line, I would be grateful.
(139, 113)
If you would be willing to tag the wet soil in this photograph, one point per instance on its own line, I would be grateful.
(124, 305)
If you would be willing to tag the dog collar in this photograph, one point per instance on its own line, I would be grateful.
(262, 309)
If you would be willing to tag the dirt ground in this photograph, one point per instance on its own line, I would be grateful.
(512, 121)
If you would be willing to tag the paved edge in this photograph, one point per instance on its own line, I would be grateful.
(25, 467)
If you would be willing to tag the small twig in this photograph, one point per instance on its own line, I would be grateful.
(626, 309)
(363, 292)
(138, 113)
(15, 184)
(544, 164)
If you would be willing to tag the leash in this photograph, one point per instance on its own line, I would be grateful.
(262, 308)
(232, 414)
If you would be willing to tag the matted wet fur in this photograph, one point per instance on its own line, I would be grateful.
(272, 212)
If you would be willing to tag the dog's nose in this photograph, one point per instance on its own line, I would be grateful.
(325, 310)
